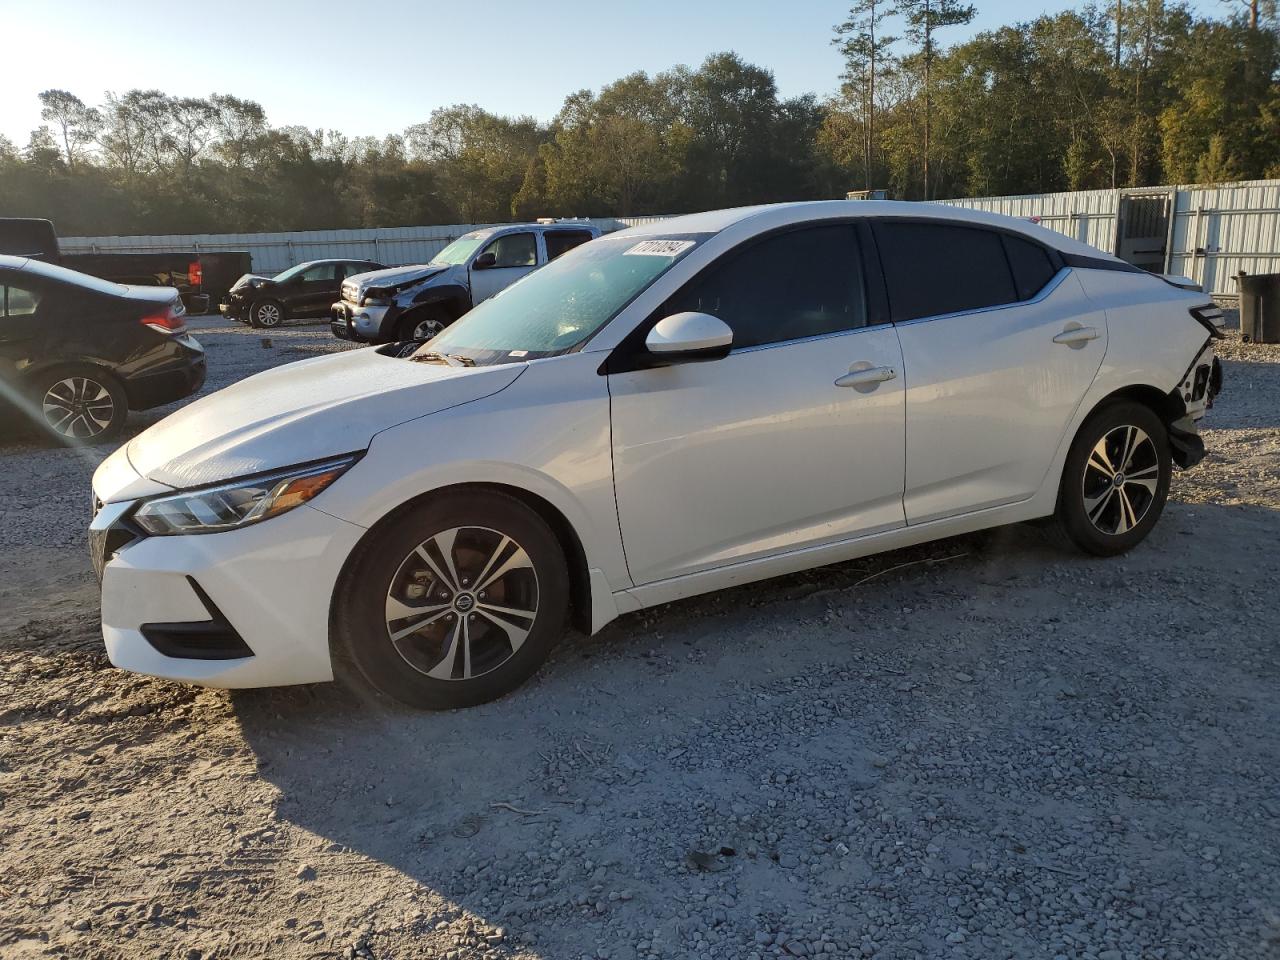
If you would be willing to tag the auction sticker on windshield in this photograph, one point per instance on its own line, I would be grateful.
(659, 248)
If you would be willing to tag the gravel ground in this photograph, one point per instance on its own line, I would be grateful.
(981, 748)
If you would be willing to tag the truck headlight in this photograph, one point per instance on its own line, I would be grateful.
(239, 503)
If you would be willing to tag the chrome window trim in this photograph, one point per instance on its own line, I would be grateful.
(1044, 293)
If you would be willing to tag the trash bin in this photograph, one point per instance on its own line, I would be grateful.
(1259, 307)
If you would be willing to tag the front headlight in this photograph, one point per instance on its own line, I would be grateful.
(240, 502)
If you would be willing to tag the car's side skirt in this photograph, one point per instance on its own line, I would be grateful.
(749, 571)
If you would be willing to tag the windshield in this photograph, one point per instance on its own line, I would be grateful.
(559, 307)
(458, 251)
(290, 273)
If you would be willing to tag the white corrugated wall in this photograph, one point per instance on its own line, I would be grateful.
(1216, 232)
(273, 252)
(1220, 230)
(1087, 215)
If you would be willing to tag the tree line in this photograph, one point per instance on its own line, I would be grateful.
(1138, 93)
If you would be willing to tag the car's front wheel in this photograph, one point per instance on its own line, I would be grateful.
(1116, 479)
(453, 603)
(267, 313)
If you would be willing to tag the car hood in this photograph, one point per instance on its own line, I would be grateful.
(395, 276)
(301, 412)
(244, 280)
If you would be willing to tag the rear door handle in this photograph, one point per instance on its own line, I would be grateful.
(1076, 335)
(867, 377)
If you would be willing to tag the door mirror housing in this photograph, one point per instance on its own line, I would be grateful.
(485, 261)
(688, 337)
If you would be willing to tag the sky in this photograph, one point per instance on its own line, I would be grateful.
(376, 66)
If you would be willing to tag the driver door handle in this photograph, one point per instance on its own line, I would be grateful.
(1077, 335)
(868, 376)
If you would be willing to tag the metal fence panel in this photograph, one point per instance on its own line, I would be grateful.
(1216, 232)
(1221, 230)
(273, 252)
(1086, 215)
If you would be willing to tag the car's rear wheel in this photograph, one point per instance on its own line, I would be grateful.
(81, 405)
(267, 313)
(453, 603)
(1116, 479)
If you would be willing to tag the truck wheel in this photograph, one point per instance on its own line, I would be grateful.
(266, 313)
(422, 325)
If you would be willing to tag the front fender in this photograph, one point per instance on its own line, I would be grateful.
(445, 292)
(549, 436)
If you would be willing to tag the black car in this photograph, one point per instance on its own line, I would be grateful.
(306, 290)
(77, 353)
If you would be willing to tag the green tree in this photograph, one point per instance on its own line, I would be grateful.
(867, 59)
(923, 19)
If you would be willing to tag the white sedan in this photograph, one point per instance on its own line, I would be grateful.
(676, 408)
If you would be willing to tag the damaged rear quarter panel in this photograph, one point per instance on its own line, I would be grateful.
(1152, 337)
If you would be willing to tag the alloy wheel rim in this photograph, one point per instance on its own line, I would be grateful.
(427, 329)
(1121, 477)
(78, 407)
(268, 314)
(462, 603)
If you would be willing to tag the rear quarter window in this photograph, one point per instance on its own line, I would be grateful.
(936, 268)
(562, 241)
(1032, 267)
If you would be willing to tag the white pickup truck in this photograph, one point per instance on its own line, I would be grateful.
(417, 302)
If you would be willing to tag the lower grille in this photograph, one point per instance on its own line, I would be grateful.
(212, 639)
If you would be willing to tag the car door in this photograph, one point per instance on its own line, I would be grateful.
(515, 254)
(313, 290)
(22, 327)
(999, 347)
(776, 446)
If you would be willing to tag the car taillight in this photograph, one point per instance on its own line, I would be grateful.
(171, 320)
(195, 273)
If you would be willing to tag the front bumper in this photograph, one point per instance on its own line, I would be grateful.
(242, 608)
(236, 308)
(368, 324)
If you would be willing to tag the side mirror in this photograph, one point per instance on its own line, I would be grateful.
(687, 337)
(485, 261)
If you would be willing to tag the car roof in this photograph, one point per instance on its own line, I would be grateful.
(768, 216)
(545, 227)
(60, 274)
(10, 262)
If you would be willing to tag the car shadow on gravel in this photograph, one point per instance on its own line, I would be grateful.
(577, 800)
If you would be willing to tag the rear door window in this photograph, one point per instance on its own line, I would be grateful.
(803, 283)
(562, 241)
(1032, 268)
(936, 268)
(515, 250)
(320, 272)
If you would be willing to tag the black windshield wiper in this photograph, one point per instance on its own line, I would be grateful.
(452, 359)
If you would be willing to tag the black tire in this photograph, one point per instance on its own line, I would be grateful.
(391, 573)
(1095, 512)
(79, 405)
(422, 324)
(267, 314)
